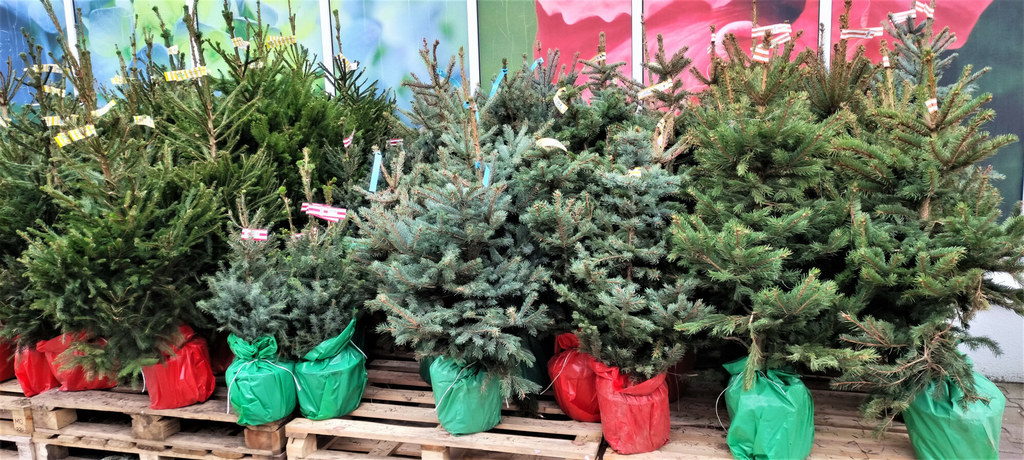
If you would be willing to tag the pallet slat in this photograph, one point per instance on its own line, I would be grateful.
(132, 427)
(397, 418)
(500, 442)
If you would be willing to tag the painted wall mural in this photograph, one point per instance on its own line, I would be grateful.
(27, 15)
(385, 36)
(574, 27)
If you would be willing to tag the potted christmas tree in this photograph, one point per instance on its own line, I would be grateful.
(929, 247)
(564, 190)
(291, 314)
(108, 271)
(24, 160)
(625, 301)
(452, 281)
(249, 302)
(763, 237)
(325, 289)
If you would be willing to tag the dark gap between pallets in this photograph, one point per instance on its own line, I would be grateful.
(104, 417)
(93, 454)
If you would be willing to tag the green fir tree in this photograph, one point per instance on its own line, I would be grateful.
(765, 236)
(300, 288)
(929, 241)
(452, 281)
(115, 262)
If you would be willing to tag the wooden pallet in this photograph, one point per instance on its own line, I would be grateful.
(397, 419)
(123, 422)
(839, 431)
(15, 423)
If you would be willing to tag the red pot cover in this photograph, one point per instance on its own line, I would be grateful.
(6, 361)
(573, 379)
(634, 418)
(184, 378)
(72, 378)
(33, 371)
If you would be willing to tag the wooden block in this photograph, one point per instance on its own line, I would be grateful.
(53, 419)
(272, 441)
(436, 453)
(154, 427)
(50, 452)
(25, 450)
(22, 419)
(302, 447)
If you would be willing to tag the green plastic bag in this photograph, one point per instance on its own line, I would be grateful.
(331, 377)
(467, 400)
(941, 428)
(261, 389)
(773, 420)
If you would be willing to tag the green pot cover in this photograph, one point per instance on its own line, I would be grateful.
(941, 428)
(261, 389)
(773, 420)
(331, 377)
(467, 400)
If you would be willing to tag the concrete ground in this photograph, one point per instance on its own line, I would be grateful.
(1011, 444)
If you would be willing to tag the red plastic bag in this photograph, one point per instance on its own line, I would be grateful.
(634, 418)
(33, 371)
(72, 378)
(6, 361)
(573, 379)
(184, 378)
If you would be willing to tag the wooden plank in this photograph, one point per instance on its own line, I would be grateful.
(127, 403)
(338, 455)
(516, 444)
(189, 441)
(14, 402)
(384, 448)
(389, 377)
(411, 367)
(11, 387)
(511, 423)
(373, 393)
(365, 446)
